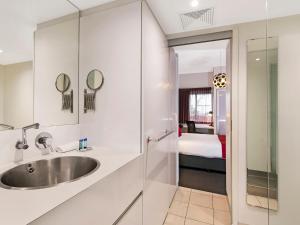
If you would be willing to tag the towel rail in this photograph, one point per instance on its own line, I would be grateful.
(166, 134)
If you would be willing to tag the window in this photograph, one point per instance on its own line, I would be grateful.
(200, 107)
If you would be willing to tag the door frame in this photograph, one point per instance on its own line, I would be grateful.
(233, 123)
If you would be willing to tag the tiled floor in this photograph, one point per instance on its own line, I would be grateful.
(194, 207)
(262, 202)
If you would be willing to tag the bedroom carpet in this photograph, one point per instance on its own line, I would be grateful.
(202, 180)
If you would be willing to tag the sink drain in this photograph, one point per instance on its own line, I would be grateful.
(30, 169)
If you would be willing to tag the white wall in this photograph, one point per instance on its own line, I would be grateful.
(159, 114)
(195, 80)
(18, 94)
(56, 51)
(1, 95)
(111, 42)
(288, 30)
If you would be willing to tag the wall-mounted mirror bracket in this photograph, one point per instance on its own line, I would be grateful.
(62, 84)
(89, 101)
(67, 101)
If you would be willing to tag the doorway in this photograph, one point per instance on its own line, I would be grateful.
(204, 109)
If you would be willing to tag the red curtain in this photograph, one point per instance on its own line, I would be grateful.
(184, 104)
(205, 90)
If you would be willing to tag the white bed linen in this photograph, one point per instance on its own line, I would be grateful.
(204, 145)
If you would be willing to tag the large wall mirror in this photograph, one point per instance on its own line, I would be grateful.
(262, 92)
(39, 41)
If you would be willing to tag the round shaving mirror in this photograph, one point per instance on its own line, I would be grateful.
(62, 82)
(95, 80)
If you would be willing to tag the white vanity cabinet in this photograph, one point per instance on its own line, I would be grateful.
(134, 215)
(104, 203)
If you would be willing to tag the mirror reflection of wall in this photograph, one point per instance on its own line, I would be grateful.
(16, 94)
(25, 27)
(262, 178)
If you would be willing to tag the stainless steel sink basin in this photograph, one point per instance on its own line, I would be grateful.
(48, 173)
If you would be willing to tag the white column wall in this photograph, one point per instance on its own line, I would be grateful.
(159, 114)
(288, 33)
(1, 95)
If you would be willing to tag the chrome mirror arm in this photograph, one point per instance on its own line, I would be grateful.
(9, 127)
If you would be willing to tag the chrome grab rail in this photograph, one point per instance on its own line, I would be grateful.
(167, 133)
(150, 139)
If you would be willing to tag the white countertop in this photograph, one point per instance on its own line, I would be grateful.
(20, 207)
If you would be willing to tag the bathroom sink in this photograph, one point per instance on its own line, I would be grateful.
(48, 173)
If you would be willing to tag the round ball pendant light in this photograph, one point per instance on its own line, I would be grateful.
(220, 80)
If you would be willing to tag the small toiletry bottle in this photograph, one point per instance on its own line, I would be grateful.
(85, 144)
(81, 143)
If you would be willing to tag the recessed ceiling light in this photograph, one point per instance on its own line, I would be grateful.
(194, 3)
(1, 51)
(257, 59)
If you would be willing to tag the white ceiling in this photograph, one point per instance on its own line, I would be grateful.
(18, 18)
(86, 4)
(201, 58)
(227, 12)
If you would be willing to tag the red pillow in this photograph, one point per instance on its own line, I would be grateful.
(179, 131)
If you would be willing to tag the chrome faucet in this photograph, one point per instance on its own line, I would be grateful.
(7, 126)
(23, 144)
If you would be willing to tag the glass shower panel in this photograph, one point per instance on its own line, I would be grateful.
(284, 108)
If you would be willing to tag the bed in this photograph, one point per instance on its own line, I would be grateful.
(202, 151)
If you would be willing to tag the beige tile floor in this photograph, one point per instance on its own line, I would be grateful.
(194, 207)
